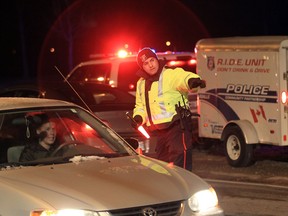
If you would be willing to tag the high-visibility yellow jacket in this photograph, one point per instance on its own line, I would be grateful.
(163, 95)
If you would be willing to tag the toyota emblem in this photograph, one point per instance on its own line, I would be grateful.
(149, 211)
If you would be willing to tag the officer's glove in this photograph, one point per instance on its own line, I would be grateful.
(137, 121)
(196, 82)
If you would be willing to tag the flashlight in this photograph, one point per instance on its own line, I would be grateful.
(140, 128)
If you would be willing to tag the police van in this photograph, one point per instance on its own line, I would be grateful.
(244, 103)
(121, 71)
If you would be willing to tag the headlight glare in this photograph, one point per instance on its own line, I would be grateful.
(64, 212)
(203, 200)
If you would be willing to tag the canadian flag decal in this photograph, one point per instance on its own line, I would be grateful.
(258, 113)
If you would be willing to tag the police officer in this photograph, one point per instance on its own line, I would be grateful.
(158, 91)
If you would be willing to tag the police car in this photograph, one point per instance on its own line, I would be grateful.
(120, 71)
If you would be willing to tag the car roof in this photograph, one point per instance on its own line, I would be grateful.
(132, 58)
(129, 58)
(9, 103)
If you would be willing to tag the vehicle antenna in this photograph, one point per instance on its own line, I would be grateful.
(65, 80)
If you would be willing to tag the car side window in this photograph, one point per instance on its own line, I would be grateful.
(127, 78)
(12, 133)
(97, 73)
(21, 93)
(104, 97)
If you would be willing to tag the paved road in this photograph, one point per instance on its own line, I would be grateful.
(251, 199)
(258, 190)
(271, 166)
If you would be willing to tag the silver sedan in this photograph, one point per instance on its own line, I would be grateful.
(59, 159)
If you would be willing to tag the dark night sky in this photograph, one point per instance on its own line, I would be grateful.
(29, 28)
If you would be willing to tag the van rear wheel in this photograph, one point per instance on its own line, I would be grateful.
(238, 153)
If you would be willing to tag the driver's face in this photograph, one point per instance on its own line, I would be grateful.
(50, 130)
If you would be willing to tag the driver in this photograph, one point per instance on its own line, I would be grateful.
(45, 142)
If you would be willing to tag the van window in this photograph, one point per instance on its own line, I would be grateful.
(127, 78)
(97, 73)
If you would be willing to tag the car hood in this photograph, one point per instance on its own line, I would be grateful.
(100, 184)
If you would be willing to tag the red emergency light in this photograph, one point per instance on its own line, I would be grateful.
(122, 53)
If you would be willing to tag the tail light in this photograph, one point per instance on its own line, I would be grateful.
(284, 97)
(192, 62)
(131, 86)
(176, 63)
(179, 63)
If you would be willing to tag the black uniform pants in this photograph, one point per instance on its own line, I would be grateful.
(175, 145)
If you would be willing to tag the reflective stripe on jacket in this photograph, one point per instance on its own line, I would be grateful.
(163, 95)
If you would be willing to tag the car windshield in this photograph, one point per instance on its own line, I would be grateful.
(46, 136)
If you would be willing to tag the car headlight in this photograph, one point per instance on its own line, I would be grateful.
(66, 212)
(203, 200)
